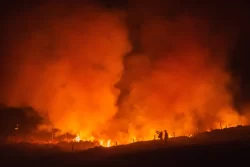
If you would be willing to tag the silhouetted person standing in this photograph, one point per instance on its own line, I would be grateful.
(160, 135)
(166, 136)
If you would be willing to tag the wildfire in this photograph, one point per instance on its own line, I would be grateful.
(101, 142)
(77, 138)
(174, 84)
(91, 139)
(108, 143)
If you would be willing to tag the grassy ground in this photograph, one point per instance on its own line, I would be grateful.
(208, 149)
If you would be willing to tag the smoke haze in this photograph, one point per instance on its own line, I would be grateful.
(89, 70)
(180, 82)
(66, 67)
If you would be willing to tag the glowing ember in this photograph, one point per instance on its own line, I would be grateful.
(17, 127)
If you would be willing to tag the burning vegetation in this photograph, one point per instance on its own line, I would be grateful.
(87, 73)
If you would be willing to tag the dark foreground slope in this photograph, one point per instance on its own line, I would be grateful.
(224, 154)
(203, 150)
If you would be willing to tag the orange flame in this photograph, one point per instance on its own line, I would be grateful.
(77, 138)
(77, 79)
(108, 143)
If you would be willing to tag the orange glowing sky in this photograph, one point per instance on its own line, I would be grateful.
(67, 66)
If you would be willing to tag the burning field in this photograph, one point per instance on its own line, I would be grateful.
(114, 76)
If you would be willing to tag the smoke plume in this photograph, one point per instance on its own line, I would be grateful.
(179, 80)
(64, 64)
(69, 63)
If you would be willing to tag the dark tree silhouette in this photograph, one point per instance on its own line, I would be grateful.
(26, 119)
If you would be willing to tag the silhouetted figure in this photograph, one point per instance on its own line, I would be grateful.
(160, 136)
(166, 136)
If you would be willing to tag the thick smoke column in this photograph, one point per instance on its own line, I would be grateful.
(178, 81)
(64, 63)
(68, 61)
